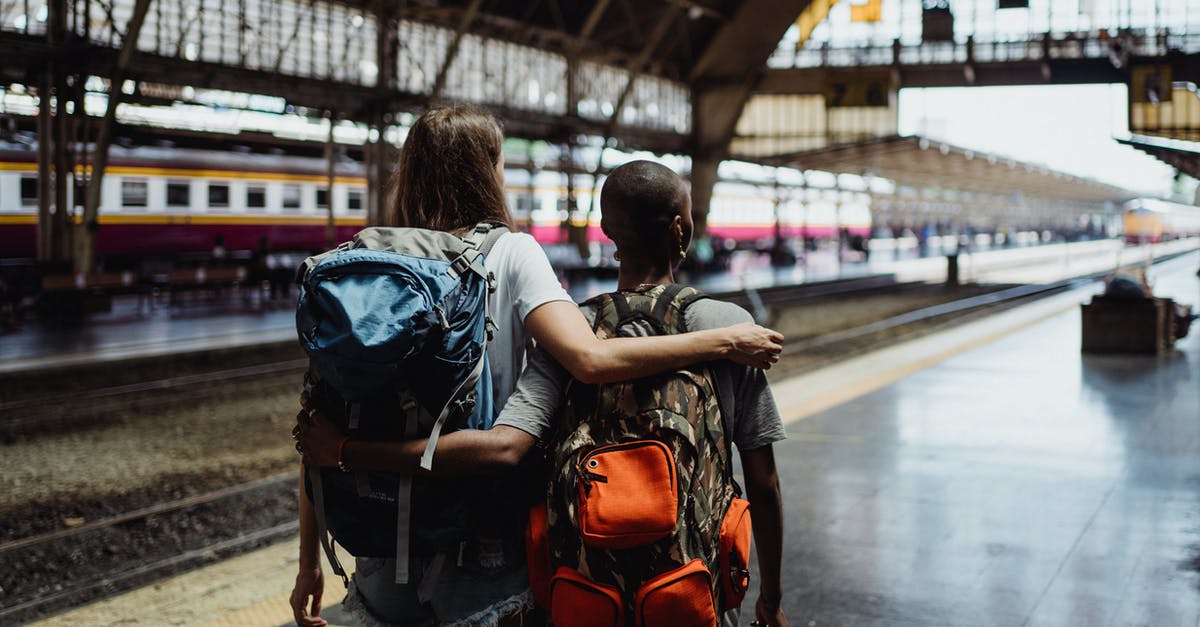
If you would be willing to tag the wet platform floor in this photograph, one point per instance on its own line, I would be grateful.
(1020, 483)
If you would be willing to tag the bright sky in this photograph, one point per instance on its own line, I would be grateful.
(1065, 127)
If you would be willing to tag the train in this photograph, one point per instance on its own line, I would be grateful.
(167, 200)
(1150, 220)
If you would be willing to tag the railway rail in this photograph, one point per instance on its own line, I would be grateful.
(125, 567)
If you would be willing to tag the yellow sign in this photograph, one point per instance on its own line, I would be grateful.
(869, 11)
(813, 14)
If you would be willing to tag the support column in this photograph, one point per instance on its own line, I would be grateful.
(330, 156)
(371, 201)
(704, 177)
(45, 251)
(85, 245)
(64, 169)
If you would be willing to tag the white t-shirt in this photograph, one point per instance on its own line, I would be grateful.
(524, 282)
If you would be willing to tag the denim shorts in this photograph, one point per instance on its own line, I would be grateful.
(457, 595)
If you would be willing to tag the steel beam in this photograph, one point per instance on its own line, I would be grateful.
(722, 81)
(635, 69)
(85, 243)
(464, 24)
(330, 162)
(46, 237)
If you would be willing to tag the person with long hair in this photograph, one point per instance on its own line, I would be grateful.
(450, 178)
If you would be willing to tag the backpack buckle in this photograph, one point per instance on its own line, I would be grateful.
(459, 265)
(465, 405)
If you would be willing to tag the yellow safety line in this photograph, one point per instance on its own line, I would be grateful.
(809, 394)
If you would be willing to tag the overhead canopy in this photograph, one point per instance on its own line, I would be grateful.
(923, 162)
(1181, 155)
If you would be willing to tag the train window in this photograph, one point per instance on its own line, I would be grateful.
(218, 195)
(29, 191)
(256, 197)
(524, 201)
(291, 196)
(179, 194)
(322, 198)
(354, 200)
(134, 193)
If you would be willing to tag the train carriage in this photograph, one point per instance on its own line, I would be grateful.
(171, 200)
(1149, 220)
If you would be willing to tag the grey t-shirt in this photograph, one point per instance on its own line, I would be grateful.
(534, 406)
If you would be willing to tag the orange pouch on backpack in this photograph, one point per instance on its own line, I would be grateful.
(679, 597)
(576, 601)
(627, 495)
(734, 556)
(537, 554)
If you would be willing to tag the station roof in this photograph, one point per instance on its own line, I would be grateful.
(921, 162)
(616, 32)
(1181, 155)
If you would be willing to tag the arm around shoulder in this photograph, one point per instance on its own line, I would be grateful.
(563, 331)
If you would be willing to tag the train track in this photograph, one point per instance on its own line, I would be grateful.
(29, 416)
(77, 587)
(108, 579)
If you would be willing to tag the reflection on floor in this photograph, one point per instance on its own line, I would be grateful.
(1016, 484)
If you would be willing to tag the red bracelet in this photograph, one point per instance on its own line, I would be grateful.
(341, 451)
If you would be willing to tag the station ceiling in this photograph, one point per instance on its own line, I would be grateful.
(922, 162)
(671, 34)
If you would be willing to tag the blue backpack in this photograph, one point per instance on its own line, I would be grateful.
(395, 324)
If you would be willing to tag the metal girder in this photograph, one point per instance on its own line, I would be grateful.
(1181, 155)
(923, 163)
(553, 39)
(468, 17)
(722, 81)
(589, 24)
(91, 207)
(1048, 72)
(638, 65)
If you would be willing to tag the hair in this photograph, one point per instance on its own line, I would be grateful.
(638, 202)
(446, 178)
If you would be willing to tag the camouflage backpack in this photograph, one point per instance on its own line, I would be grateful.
(642, 523)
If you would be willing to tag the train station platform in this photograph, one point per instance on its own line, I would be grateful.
(990, 474)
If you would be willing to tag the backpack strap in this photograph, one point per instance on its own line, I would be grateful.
(723, 380)
(479, 242)
(624, 311)
(318, 493)
(404, 483)
(664, 302)
(492, 233)
(723, 384)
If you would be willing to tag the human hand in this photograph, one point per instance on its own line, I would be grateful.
(317, 438)
(310, 582)
(769, 613)
(753, 345)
